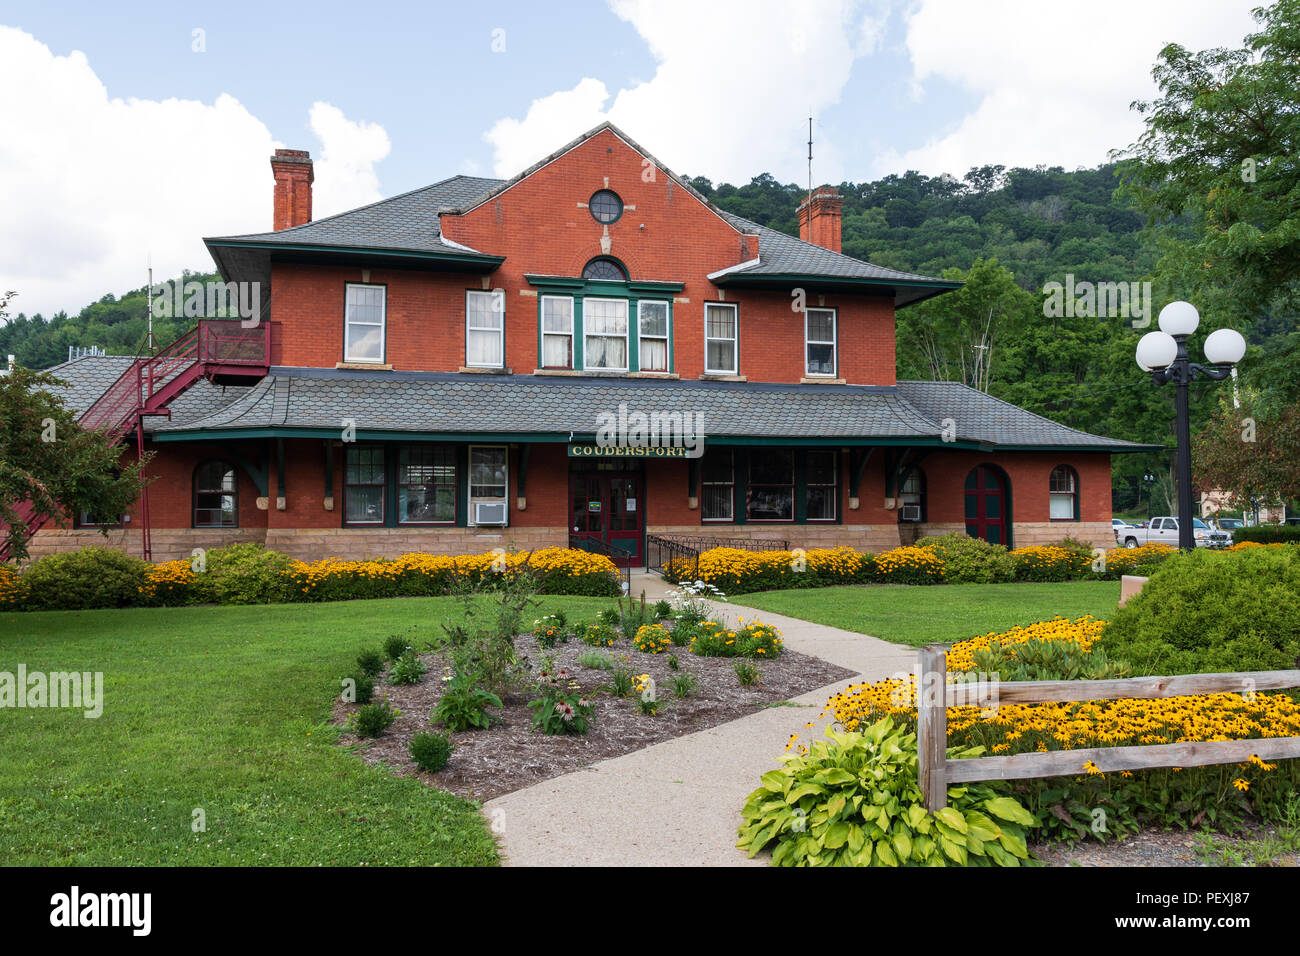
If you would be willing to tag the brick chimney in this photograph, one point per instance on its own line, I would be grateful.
(819, 218)
(293, 178)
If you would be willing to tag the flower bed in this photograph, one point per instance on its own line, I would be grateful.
(736, 571)
(1221, 794)
(249, 574)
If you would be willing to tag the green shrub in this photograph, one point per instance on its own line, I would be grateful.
(662, 610)
(246, 573)
(464, 705)
(1211, 611)
(684, 684)
(395, 646)
(970, 560)
(855, 801)
(1268, 534)
(610, 617)
(374, 718)
(431, 751)
(363, 687)
(89, 578)
(370, 661)
(407, 669)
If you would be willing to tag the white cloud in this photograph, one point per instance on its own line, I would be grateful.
(729, 109)
(92, 187)
(345, 169)
(1053, 81)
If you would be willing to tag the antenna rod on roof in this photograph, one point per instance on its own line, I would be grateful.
(810, 157)
(148, 297)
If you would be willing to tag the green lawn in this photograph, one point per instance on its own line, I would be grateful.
(223, 709)
(942, 613)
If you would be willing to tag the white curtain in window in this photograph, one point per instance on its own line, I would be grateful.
(485, 321)
(557, 333)
(604, 324)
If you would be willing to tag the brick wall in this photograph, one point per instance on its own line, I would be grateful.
(665, 233)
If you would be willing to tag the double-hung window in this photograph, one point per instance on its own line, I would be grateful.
(819, 342)
(1063, 494)
(718, 478)
(485, 329)
(364, 485)
(363, 320)
(604, 333)
(426, 485)
(557, 331)
(821, 474)
(216, 495)
(771, 485)
(652, 350)
(720, 335)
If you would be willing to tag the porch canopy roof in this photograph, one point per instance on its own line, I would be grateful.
(305, 402)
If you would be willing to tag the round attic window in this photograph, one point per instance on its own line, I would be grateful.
(605, 206)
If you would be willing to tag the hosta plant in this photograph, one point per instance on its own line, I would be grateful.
(854, 800)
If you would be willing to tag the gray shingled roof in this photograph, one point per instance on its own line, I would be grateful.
(90, 376)
(409, 222)
(406, 222)
(451, 403)
(525, 404)
(980, 417)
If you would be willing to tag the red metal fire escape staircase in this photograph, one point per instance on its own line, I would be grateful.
(220, 350)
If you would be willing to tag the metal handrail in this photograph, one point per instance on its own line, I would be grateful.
(690, 547)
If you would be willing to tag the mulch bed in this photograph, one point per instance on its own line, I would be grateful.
(511, 755)
(1153, 848)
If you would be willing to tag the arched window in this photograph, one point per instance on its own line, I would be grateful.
(216, 495)
(1063, 494)
(911, 495)
(604, 269)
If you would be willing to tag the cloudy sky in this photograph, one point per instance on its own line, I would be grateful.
(131, 130)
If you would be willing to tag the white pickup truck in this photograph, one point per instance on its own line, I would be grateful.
(1164, 530)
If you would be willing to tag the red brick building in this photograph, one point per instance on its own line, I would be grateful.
(466, 366)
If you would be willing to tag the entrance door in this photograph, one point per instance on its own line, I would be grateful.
(607, 507)
(986, 505)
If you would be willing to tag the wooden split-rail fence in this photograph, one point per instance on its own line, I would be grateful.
(937, 771)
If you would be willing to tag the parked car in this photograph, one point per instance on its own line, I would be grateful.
(1228, 525)
(1164, 530)
(1118, 526)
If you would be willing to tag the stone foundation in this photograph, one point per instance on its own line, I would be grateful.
(1096, 533)
(169, 544)
(307, 544)
(311, 544)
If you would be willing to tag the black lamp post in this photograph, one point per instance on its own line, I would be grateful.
(1164, 355)
(1148, 481)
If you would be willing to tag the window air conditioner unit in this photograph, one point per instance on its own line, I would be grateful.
(489, 512)
(910, 513)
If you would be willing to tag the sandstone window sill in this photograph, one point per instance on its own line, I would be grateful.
(365, 366)
(723, 378)
(485, 371)
(822, 380)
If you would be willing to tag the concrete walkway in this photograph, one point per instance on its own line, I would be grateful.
(678, 803)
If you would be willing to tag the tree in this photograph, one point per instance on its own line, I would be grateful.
(49, 463)
(1217, 172)
(954, 336)
(1250, 457)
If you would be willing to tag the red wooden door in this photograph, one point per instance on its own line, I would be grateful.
(608, 508)
(986, 505)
